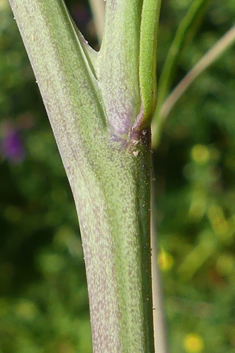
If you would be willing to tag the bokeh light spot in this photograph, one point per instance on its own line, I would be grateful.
(200, 154)
(193, 343)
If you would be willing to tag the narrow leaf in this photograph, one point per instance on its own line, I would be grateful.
(148, 61)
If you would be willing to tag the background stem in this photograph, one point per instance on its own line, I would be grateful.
(98, 8)
(213, 54)
(160, 335)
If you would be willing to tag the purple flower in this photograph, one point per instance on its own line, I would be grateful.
(11, 144)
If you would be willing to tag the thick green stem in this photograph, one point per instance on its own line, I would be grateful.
(109, 177)
(114, 210)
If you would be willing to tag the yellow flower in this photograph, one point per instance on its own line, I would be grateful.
(165, 260)
(193, 343)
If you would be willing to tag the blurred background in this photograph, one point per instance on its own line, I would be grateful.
(43, 294)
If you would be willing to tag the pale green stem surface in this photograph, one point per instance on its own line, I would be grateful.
(109, 174)
(127, 64)
(118, 69)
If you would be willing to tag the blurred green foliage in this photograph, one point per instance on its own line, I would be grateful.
(43, 295)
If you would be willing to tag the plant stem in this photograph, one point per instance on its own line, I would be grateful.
(186, 29)
(160, 338)
(109, 177)
(114, 219)
(208, 59)
(97, 7)
(213, 54)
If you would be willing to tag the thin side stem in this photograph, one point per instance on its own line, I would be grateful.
(186, 30)
(209, 58)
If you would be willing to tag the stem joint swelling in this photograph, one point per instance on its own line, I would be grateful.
(137, 138)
